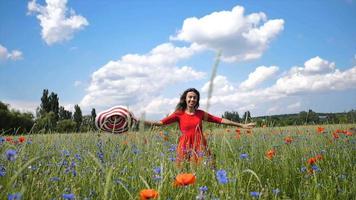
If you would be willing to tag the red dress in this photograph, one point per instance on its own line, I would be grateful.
(192, 143)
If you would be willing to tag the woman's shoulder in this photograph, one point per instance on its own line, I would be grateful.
(199, 112)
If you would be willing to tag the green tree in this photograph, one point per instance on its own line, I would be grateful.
(64, 114)
(234, 116)
(11, 120)
(54, 104)
(78, 117)
(246, 117)
(45, 106)
(66, 126)
(93, 116)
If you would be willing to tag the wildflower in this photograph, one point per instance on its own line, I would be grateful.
(55, 179)
(157, 170)
(2, 140)
(271, 153)
(8, 139)
(336, 135)
(15, 196)
(276, 191)
(11, 154)
(68, 196)
(255, 194)
(184, 179)
(244, 156)
(21, 139)
(2, 170)
(319, 157)
(221, 175)
(315, 168)
(320, 129)
(202, 192)
(303, 169)
(288, 140)
(65, 153)
(78, 157)
(348, 133)
(203, 188)
(311, 161)
(148, 194)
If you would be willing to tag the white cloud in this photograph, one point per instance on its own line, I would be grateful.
(135, 80)
(315, 77)
(57, 23)
(221, 86)
(260, 74)
(239, 37)
(23, 106)
(294, 105)
(13, 55)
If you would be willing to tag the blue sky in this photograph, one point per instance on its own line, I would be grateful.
(277, 56)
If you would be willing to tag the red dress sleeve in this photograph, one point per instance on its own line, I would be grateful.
(211, 118)
(170, 119)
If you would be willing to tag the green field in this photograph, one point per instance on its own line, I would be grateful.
(105, 166)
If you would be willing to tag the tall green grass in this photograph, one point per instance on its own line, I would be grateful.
(105, 166)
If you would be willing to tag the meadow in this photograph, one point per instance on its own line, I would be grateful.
(299, 162)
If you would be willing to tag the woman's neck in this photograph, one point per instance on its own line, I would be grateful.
(190, 110)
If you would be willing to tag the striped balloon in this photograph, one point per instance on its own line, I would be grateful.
(117, 119)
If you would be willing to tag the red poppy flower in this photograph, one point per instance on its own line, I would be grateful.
(8, 139)
(320, 129)
(148, 194)
(184, 179)
(271, 153)
(311, 161)
(335, 135)
(22, 139)
(319, 157)
(288, 140)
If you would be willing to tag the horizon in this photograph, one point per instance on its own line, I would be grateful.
(275, 60)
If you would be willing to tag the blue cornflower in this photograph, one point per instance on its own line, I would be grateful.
(11, 154)
(78, 157)
(65, 153)
(244, 156)
(255, 194)
(276, 191)
(135, 150)
(54, 179)
(316, 168)
(222, 176)
(68, 196)
(157, 170)
(2, 170)
(2, 140)
(203, 188)
(172, 158)
(172, 148)
(15, 196)
(303, 169)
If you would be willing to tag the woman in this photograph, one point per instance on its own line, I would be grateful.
(192, 144)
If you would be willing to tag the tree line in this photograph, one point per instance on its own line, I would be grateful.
(302, 118)
(50, 117)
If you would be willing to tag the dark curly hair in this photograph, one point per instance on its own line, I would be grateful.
(182, 105)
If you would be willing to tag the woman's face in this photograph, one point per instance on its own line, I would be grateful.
(191, 99)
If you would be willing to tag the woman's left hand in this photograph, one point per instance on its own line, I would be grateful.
(249, 125)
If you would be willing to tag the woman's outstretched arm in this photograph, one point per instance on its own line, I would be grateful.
(232, 123)
(152, 123)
